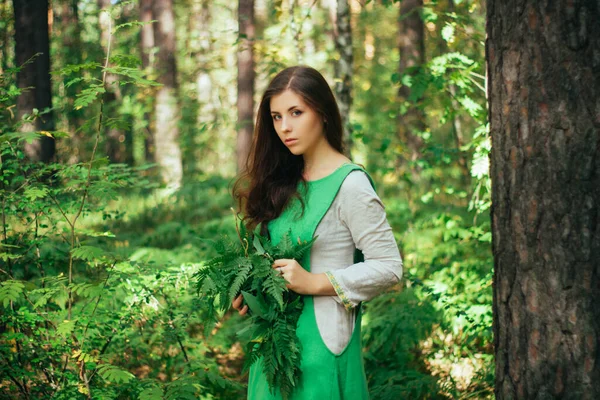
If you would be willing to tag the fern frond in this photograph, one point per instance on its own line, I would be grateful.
(239, 280)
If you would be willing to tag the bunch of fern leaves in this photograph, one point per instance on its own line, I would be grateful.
(245, 266)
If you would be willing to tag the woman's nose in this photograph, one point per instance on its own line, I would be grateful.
(285, 126)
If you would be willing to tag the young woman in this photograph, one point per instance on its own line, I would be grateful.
(298, 177)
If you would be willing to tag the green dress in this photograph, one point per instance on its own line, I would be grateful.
(325, 375)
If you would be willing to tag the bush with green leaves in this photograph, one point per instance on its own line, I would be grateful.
(81, 318)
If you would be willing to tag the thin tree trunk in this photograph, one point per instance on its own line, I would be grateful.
(70, 33)
(245, 100)
(544, 101)
(166, 133)
(146, 45)
(411, 45)
(344, 69)
(31, 37)
(118, 143)
(204, 81)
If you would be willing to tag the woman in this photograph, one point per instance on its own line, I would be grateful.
(299, 178)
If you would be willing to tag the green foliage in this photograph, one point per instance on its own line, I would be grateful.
(106, 264)
(10, 291)
(81, 317)
(245, 267)
(397, 324)
(114, 374)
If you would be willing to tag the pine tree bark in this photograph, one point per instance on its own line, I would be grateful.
(411, 45)
(245, 81)
(544, 101)
(166, 133)
(344, 69)
(32, 37)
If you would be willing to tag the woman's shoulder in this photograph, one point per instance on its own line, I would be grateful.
(357, 200)
(357, 184)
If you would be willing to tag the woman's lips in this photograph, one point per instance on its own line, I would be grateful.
(290, 141)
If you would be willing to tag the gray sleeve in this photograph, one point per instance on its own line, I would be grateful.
(363, 213)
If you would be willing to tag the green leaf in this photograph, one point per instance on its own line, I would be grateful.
(257, 245)
(254, 304)
(153, 393)
(448, 33)
(87, 96)
(33, 193)
(88, 289)
(65, 328)
(10, 291)
(88, 253)
(240, 279)
(114, 374)
(7, 256)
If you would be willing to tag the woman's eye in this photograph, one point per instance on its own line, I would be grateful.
(275, 117)
(296, 112)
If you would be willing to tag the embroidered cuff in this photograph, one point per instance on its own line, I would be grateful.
(340, 292)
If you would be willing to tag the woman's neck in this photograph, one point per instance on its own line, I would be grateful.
(322, 160)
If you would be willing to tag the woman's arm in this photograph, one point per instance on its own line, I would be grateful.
(363, 213)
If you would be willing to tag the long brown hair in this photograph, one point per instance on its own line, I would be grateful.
(272, 172)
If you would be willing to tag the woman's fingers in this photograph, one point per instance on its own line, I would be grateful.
(237, 302)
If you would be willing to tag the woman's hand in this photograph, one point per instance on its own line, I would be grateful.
(299, 280)
(237, 304)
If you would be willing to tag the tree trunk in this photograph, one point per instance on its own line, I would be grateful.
(204, 82)
(166, 133)
(118, 142)
(69, 31)
(245, 100)
(146, 45)
(343, 69)
(411, 45)
(31, 37)
(544, 101)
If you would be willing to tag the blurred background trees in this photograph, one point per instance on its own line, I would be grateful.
(410, 80)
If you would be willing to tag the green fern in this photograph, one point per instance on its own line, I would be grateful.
(245, 266)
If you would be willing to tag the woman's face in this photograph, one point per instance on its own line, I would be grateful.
(298, 126)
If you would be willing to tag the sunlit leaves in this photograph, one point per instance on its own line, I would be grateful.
(87, 253)
(74, 68)
(88, 95)
(10, 291)
(448, 33)
(64, 329)
(33, 193)
(151, 393)
(114, 374)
